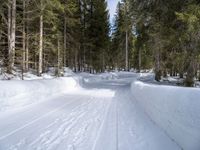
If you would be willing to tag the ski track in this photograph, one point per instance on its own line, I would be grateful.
(32, 122)
(85, 122)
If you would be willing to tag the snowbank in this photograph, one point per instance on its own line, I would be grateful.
(32, 75)
(15, 93)
(108, 76)
(174, 109)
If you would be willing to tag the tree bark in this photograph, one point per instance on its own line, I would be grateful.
(59, 60)
(140, 60)
(27, 43)
(189, 81)
(157, 66)
(41, 42)
(24, 40)
(76, 60)
(9, 38)
(12, 37)
(126, 23)
(65, 42)
(127, 68)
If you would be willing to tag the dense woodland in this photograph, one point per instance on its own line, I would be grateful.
(164, 35)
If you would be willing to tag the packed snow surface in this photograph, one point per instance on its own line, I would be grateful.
(94, 112)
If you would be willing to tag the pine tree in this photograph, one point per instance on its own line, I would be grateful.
(98, 35)
(190, 17)
(122, 36)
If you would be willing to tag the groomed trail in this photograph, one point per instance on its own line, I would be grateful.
(103, 115)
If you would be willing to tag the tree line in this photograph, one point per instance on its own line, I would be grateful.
(170, 31)
(38, 34)
(164, 35)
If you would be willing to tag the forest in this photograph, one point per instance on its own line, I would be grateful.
(99, 74)
(36, 35)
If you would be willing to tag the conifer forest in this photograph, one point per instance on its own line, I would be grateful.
(99, 74)
(149, 34)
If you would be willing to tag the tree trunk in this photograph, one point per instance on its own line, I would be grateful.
(58, 61)
(199, 75)
(12, 37)
(103, 62)
(157, 66)
(189, 81)
(9, 38)
(165, 73)
(181, 75)
(127, 68)
(198, 72)
(76, 60)
(24, 40)
(140, 60)
(41, 42)
(126, 22)
(27, 51)
(27, 45)
(65, 42)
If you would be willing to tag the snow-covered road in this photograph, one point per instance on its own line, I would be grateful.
(103, 115)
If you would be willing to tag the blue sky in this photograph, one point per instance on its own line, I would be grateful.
(112, 8)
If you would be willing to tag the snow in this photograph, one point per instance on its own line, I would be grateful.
(174, 109)
(14, 94)
(32, 75)
(106, 111)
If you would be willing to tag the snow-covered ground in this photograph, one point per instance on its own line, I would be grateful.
(110, 111)
(32, 75)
